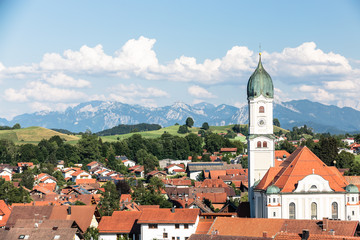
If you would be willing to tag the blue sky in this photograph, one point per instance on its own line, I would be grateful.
(56, 54)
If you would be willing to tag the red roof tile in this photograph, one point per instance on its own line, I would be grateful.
(119, 222)
(301, 163)
(165, 215)
(5, 211)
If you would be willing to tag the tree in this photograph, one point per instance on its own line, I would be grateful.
(16, 126)
(189, 122)
(183, 129)
(287, 146)
(327, 150)
(276, 122)
(91, 233)
(345, 160)
(12, 194)
(357, 138)
(195, 143)
(27, 179)
(205, 126)
(109, 200)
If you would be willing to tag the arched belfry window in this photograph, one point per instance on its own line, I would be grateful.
(264, 144)
(313, 210)
(259, 144)
(261, 109)
(292, 211)
(334, 210)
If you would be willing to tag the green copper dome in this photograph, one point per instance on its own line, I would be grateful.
(272, 190)
(351, 188)
(260, 83)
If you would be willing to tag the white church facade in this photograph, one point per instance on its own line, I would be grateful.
(302, 186)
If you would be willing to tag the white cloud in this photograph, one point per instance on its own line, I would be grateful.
(307, 88)
(311, 72)
(323, 96)
(199, 92)
(60, 79)
(39, 91)
(306, 60)
(341, 85)
(135, 90)
(41, 106)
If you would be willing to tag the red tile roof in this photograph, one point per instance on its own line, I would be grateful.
(6, 177)
(83, 215)
(119, 222)
(213, 197)
(85, 181)
(281, 153)
(26, 164)
(228, 149)
(301, 163)
(5, 211)
(204, 226)
(125, 198)
(214, 174)
(165, 215)
(211, 183)
(92, 163)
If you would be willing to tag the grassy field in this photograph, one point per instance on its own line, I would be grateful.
(173, 131)
(33, 135)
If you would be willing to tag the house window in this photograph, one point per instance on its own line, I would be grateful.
(264, 144)
(186, 226)
(165, 235)
(274, 214)
(313, 210)
(177, 238)
(259, 144)
(177, 226)
(153, 226)
(173, 238)
(334, 210)
(292, 211)
(353, 213)
(352, 199)
(261, 109)
(273, 200)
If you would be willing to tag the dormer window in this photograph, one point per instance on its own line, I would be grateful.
(261, 109)
(313, 187)
(259, 144)
(264, 144)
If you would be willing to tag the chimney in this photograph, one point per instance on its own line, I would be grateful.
(305, 234)
(69, 210)
(264, 234)
(173, 209)
(325, 225)
(55, 228)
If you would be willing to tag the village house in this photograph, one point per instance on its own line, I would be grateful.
(168, 223)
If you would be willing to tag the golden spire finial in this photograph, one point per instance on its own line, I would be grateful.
(260, 49)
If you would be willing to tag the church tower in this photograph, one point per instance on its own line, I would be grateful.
(260, 95)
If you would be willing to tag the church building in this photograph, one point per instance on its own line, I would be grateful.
(302, 186)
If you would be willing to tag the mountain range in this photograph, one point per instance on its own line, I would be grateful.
(99, 115)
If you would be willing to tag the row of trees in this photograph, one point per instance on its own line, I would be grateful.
(91, 148)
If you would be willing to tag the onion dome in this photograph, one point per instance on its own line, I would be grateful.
(260, 83)
(351, 188)
(272, 190)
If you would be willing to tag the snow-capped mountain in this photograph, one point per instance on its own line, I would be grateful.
(99, 115)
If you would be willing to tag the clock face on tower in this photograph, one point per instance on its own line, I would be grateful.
(261, 122)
